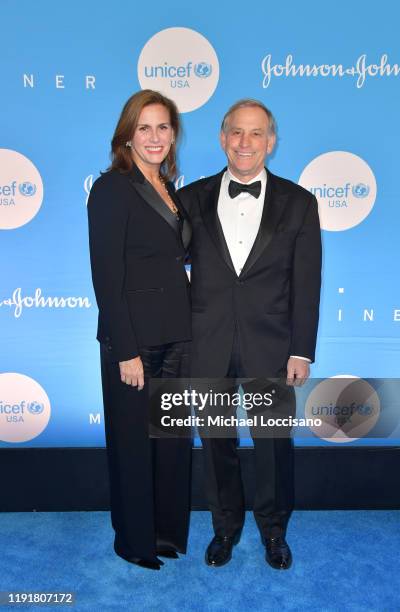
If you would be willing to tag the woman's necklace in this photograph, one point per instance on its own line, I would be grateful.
(169, 202)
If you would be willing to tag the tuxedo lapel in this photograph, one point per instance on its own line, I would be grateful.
(186, 225)
(148, 193)
(274, 204)
(209, 211)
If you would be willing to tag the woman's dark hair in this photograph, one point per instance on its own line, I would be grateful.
(121, 157)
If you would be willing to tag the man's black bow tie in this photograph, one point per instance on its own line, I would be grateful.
(253, 189)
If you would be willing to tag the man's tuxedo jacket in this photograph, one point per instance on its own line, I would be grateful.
(272, 306)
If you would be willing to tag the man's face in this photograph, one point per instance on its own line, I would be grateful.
(247, 141)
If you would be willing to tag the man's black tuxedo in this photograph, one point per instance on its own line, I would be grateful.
(273, 304)
(248, 326)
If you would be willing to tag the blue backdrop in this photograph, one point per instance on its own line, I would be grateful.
(66, 71)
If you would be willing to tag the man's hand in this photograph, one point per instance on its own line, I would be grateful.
(298, 370)
(132, 372)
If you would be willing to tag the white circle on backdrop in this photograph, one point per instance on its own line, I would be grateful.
(24, 408)
(21, 189)
(181, 64)
(347, 406)
(344, 186)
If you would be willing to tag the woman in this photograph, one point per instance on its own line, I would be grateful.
(138, 236)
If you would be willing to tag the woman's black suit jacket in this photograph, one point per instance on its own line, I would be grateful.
(137, 251)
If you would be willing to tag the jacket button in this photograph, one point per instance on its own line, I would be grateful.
(109, 347)
(239, 282)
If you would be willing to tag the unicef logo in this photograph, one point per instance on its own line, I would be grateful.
(345, 188)
(168, 63)
(203, 70)
(21, 417)
(348, 406)
(27, 189)
(21, 189)
(360, 190)
(35, 407)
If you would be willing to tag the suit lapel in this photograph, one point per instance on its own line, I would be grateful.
(209, 211)
(274, 205)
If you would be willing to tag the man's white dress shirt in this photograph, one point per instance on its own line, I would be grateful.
(240, 218)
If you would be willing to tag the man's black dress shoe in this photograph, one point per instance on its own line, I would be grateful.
(219, 550)
(169, 554)
(277, 552)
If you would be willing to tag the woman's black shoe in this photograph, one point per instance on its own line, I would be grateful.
(154, 565)
(169, 554)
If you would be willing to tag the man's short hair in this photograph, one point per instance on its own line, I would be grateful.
(248, 102)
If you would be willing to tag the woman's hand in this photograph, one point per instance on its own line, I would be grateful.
(132, 372)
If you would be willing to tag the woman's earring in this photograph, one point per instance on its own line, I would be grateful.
(128, 143)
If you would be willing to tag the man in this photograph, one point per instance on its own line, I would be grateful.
(256, 261)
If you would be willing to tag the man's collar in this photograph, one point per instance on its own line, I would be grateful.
(262, 176)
